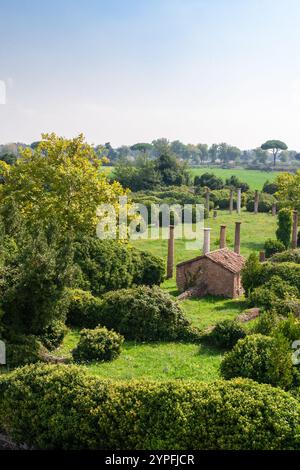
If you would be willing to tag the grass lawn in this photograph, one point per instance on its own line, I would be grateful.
(157, 361)
(254, 178)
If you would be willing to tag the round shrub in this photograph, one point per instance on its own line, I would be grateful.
(273, 246)
(261, 358)
(99, 344)
(270, 188)
(143, 314)
(289, 328)
(284, 230)
(226, 334)
(208, 180)
(53, 334)
(84, 309)
(84, 412)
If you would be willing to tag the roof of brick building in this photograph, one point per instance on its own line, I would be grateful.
(224, 257)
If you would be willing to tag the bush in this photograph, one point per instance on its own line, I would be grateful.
(22, 350)
(226, 334)
(273, 246)
(261, 358)
(150, 269)
(251, 273)
(264, 204)
(107, 265)
(266, 323)
(270, 188)
(288, 272)
(53, 334)
(99, 344)
(143, 314)
(84, 309)
(272, 294)
(85, 412)
(289, 328)
(208, 180)
(235, 182)
(291, 256)
(284, 230)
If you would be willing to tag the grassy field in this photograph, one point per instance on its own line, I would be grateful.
(162, 361)
(254, 178)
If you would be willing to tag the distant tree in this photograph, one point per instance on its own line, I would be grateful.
(141, 147)
(109, 152)
(9, 158)
(297, 157)
(227, 153)
(276, 146)
(35, 144)
(171, 171)
(179, 149)
(203, 149)
(213, 152)
(260, 155)
(161, 146)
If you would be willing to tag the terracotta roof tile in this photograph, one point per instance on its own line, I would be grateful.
(224, 257)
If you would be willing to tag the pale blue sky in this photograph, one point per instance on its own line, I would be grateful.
(135, 70)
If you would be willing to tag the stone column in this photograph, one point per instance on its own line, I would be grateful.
(239, 200)
(207, 195)
(295, 230)
(206, 243)
(256, 199)
(170, 262)
(222, 236)
(274, 208)
(231, 201)
(237, 238)
(262, 256)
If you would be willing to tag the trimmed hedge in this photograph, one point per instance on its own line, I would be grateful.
(99, 344)
(272, 247)
(274, 294)
(261, 358)
(22, 350)
(290, 256)
(53, 334)
(62, 407)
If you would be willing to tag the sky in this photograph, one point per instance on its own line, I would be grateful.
(136, 70)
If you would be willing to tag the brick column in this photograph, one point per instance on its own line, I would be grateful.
(295, 230)
(239, 200)
(206, 242)
(170, 261)
(262, 256)
(237, 238)
(256, 199)
(222, 236)
(274, 208)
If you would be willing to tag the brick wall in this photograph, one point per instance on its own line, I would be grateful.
(211, 278)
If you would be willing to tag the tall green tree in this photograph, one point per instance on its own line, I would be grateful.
(276, 146)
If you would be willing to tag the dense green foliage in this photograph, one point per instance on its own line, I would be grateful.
(83, 412)
(270, 187)
(226, 334)
(272, 247)
(284, 230)
(291, 256)
(264, 203)
(251, 273)
(275, 294)
(53, 335)
(234, 182)
(84, 309)
(106, 265)
(23, 350)
(143, 314)
(99, 344)
(261, 358)
(208, 180)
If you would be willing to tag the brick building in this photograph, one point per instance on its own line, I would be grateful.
(214, 273)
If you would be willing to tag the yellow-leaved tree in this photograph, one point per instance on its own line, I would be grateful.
(59, 182)
(288, 191)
